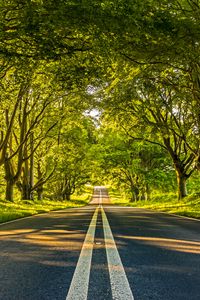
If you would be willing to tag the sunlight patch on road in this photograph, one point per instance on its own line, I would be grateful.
(47, 238)
(167, 243)
(58, 241)
(15, 232)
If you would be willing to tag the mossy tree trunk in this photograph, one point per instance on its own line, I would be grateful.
(183, 166)
(10, 190)
(182, 187)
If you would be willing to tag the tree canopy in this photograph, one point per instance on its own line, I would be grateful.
(136, 64)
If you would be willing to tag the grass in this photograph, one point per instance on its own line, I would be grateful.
(189, 206)
(22, 208)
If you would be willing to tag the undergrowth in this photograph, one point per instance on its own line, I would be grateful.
(22, 208)
(165, 202)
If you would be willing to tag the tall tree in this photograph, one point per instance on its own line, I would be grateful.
(160, 109)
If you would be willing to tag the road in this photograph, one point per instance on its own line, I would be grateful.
(100, 252)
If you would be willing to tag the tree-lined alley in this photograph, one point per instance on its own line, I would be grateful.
(136, 64)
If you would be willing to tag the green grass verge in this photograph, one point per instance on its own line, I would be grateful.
(189, 206)
(19, 209)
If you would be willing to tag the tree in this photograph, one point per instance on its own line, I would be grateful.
(162, 113)
(21, 134)
(144, 56)
(128, 163)
(73, 168)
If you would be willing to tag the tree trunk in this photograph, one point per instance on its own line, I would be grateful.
(39, 178)
(26, 192)
(10, 180)
(67, 196)
(142, 194)
(40, 193)
(9, 190)
(182, 188)
(31, 175)
(135, 194)
(147, 192)
(181, 168)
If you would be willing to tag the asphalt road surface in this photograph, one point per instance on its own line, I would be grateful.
(100, 252)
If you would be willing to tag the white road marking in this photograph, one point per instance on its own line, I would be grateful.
(79, 286)
(80, 282)
(119, 283)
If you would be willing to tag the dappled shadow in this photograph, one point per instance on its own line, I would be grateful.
(160, 253)
(166, 243)
(38, 255)
(157, 250)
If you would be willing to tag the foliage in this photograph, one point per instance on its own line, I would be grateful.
(136, 63)
(134, 166)
(73, 164)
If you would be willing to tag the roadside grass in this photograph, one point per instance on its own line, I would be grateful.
(189, 206)
(23, 208)
(118, 198)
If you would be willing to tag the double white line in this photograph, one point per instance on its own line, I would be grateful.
(80, 282)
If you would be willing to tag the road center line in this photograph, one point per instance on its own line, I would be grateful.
(119, 283)
(79, 286)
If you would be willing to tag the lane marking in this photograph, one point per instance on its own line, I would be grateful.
(79, 286)
(119, 283)
(80, 282)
